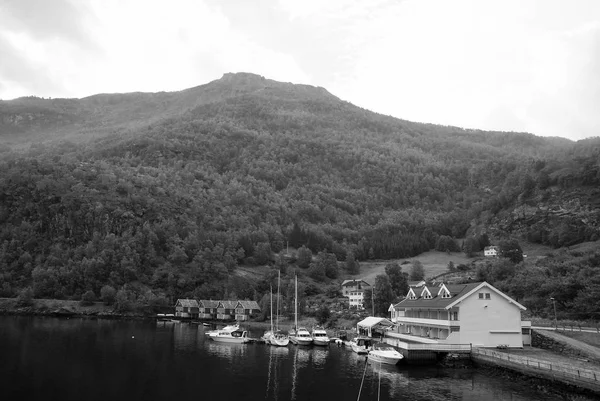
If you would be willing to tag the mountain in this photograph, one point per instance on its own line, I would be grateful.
(170, 192)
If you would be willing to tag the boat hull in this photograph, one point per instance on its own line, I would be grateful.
(231, 340)
(359, 349)
(321, 341)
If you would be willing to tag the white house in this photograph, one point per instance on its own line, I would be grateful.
(355, 291)
(475, 313)
(491, 251)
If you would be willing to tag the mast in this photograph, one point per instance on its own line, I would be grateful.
(373, 300)
(296, 306)
(278, 279)
(271, 309)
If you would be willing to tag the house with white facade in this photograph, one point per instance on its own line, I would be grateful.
(355, 291)
(491, 251)
(474, 313)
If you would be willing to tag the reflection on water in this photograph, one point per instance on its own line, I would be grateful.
(78, 359)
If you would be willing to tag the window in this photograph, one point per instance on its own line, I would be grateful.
(445, 294)
(481, 295)
(427, 296)
(487, 295)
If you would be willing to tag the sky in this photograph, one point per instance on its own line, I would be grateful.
(509, 65)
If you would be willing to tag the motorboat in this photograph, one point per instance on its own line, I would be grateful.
(384, 354)
(301, 337)
(235, 336)
(361, 345)
(229, 328)
(319, 336)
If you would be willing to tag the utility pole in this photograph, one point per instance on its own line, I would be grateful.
(555, 319)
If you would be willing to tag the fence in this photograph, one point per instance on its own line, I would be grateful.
(565, 371)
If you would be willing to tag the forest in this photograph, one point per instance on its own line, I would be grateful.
(171, 207)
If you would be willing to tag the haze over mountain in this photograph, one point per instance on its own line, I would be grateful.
(170, 192)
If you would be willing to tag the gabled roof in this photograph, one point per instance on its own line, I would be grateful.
(458, 292)
(372, 321)
(353, 282)
(437, 302)
(187, 303)
(248, 305)
(227, 304)
(205, 303)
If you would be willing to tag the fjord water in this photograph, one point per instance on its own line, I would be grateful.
(87, 359)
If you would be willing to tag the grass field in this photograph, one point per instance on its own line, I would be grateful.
(434, 263)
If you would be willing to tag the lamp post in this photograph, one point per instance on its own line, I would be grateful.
(555, 320)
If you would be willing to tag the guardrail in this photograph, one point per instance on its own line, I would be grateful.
(556, 369)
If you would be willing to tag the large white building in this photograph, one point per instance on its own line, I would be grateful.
(475, 313)
(355, 291)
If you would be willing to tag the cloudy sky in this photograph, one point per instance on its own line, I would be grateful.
(511, 65)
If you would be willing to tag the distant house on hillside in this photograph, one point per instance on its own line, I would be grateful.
(491, 251)
(355, 291)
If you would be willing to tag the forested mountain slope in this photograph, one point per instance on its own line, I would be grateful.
(171, 191)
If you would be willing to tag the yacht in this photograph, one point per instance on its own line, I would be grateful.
(319, 336)
(230, 328)
(301, 337)
(235, 336)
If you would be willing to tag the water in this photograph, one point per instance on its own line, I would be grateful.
(80, 359)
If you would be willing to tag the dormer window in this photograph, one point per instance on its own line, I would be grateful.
(427, 296)
(446, 294)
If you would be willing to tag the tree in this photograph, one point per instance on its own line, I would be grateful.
(108, 294)
(25, 297)
(328, 262)
(398, 279)
(383, 294)
(470, 246)
(451, 266)
(88, 298)
(323, 314)
(368, 299)
(352, 265)
(304, 257)
(512, 250)
(417, 272)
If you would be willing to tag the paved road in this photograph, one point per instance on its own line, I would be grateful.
(589, 350)
(567, 328)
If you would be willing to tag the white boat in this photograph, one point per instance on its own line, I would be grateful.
(384, 354)
(319, 336)
(230, 328)
(301, 337)
(236, 337)
(361, 345)
(277, 338)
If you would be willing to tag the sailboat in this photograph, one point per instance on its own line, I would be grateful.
(299, 335)
(269, 333)
(277, 338)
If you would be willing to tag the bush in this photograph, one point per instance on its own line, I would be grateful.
(108, 294)
(88, 298)
(25, 297)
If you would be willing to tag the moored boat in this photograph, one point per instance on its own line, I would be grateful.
(236, 337)
(361, 345)
(301, 337)
(319, 336)
(230, 328)
(279, 339)
(384, 354)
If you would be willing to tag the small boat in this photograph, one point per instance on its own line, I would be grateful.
(275, 336)
(232, 327)
(384, 354)
(235, 337)
(319, 336)
(361, 345)
(301, 337)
